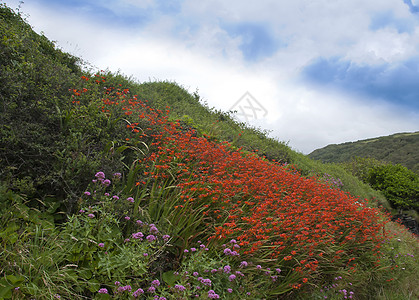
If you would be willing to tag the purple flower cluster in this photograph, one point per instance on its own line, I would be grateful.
(213, 295)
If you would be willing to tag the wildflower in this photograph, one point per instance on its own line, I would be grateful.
(230, 290)
(107, 194)
(233, 241)
(180, 287)
(151, 238)
(87, 193)
(151, 289)
(82, 211)
(117, 283)
(139, 222)
(100, 175)
(103, 291)
(153, 229)
(259, 267)
(91, 216)
(227, 269)
(195, 274)
(124, 288)
(213, 295)
(231, 277)
(115, 197)
(166, 237)
(138, 235)
(193, 249)
(137, 293)
(106, 182)
(145, 254)
(278, 270)
(186, 251)
(227, 251)
(206, 281)
(127, 218)
(155, 282)
(117, 175)
(101, 245)
(130, 199)
(243, 264)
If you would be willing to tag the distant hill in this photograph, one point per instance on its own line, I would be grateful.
(399, 148)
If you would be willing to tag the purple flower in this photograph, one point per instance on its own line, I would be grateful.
(151, 289)
(117, 283)
(195, 274)
(206, 281)
(145, 254)
(117, 175)
(233, 241)
(231, 277)
(87, 193)
(127, 218)
(81, 211)
(278, 270)
(153, 229)
(151, 238)
(227, 251)
(139, 222)
(155, 282)
(101, 245)
(91, 216)
(106, 182)
(243, 264)
(130, 199)
(124, 288)
(103, 291)
(100, 175)
(227, 269)
(180, 287)
(137, 293)
(166, 237)
(186, 251)
(107, 194)
(230, 290)
(258, 267)
(193, 249)
(115, 197)
(213, 295)
(138, 235)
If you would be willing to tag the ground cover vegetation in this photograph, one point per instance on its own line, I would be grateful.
(112, 189)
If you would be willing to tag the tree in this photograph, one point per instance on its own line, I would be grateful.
(399, 184)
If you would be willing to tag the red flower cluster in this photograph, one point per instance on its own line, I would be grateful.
(270, 209)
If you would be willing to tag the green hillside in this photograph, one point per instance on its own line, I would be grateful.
(400, 148)
(114, 189)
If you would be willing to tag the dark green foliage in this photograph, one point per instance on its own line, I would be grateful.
(401, 148)
(48, 145)
(399, 185)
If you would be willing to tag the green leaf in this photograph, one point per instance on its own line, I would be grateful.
(169, 277)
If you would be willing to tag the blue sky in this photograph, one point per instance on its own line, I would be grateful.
(325, 71)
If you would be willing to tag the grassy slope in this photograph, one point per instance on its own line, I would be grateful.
(49, 149)
(400, 148)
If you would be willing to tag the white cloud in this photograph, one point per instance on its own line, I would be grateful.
(192, 48)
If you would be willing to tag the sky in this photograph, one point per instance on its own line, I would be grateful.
(312, 72)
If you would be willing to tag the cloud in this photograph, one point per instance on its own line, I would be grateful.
(256, 40)
(393, 83)
(327, 72)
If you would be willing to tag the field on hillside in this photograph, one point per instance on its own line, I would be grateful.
(112, 189)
